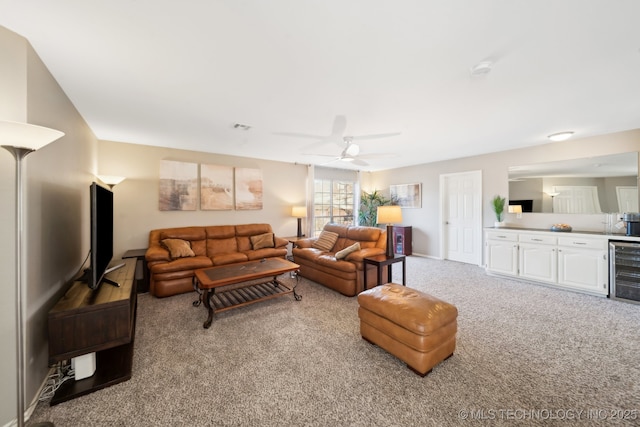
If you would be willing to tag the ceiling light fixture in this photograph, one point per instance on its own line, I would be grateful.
(560, 136)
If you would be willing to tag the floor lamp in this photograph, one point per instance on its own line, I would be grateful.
(111, 180)
(21, 139)
(552, 194)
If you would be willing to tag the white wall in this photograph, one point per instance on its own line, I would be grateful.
(56, 180)
(426, 222)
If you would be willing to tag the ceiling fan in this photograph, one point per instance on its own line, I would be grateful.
(351, 154)
(351, 150)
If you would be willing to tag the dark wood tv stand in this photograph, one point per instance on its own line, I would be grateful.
(101, 321)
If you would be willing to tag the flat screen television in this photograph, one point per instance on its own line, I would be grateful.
(101, 200)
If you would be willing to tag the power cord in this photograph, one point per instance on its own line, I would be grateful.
(62, 372)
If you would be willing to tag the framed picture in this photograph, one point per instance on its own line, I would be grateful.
(248, 188)
(178, 186)
(407, 195)
(216, 187)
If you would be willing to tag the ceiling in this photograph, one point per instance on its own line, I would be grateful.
(181, 74)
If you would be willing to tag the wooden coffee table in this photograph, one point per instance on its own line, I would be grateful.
(207, 280)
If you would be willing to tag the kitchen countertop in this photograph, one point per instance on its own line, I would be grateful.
(608, 236)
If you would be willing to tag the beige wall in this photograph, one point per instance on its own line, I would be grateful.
(136, 198)
(426, 221)
(56, 181)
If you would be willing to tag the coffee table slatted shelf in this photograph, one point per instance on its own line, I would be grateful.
(235, 298)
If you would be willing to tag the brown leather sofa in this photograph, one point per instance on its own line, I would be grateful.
(210, 245)
(343, 275)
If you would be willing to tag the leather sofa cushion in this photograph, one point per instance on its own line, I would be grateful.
(220, 232)
(180, 264)
(328, 260)
(184, 233)
(228, 258)
(221, 246)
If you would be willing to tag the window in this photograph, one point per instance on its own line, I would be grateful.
(333, 201)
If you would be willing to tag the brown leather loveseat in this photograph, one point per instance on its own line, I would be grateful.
(342, 272)
(175, 253)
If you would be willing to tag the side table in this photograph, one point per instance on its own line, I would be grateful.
(293, 240)
(380, 261)
(142, 285)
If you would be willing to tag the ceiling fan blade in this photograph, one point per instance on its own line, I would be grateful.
(339, 127)
(375, 136)
(359, 162)
(378, 156)
(321, 155)
(330, 161)
(300, 135)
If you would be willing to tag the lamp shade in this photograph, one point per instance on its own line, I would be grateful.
(111, 180)
(25, 135)
(389, 215)
(299, 211)
(515, 209)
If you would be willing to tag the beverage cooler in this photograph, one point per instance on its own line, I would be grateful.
(624, 271)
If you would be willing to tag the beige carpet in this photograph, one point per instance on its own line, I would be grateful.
(527, 355)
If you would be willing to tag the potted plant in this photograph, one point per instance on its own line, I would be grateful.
(369, 203)
(497, 203)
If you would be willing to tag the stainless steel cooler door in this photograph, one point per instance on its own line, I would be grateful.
(624, 271)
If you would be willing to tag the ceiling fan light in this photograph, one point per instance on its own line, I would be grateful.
(352, 150)
(560, 136)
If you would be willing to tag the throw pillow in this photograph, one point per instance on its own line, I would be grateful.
(178, 248)
(260, 241)
(346, 251)
(326, 241)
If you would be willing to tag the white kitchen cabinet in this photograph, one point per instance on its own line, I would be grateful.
(536, 262)
(565, 260)
(583, 265)
(502, 253)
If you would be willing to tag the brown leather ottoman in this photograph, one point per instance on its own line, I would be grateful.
(415, 327)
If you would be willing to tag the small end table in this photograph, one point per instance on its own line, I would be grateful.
(141, 285)
(293, 240)
(380, 261)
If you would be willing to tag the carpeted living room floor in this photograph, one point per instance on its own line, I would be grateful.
(526, 355)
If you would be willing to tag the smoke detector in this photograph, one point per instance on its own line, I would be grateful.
(481, 68)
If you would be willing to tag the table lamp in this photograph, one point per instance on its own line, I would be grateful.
(389, 215)
(21, 139)
(516, 209)
(299, 212)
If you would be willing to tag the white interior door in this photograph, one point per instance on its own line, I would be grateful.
(461, 213)
(576, 199)
(627, 199)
